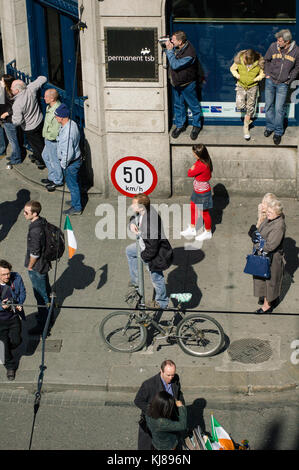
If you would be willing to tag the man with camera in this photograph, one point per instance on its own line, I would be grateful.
(13, 295)
(183, 71)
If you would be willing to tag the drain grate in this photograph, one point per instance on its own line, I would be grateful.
(250, 351)
(51, 345)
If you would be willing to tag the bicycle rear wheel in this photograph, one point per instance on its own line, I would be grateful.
(200, 335)
(122, 333)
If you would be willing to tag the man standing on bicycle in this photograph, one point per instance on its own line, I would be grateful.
(156, 251)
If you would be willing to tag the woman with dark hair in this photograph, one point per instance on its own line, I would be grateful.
(201, 171)
(6, 117)
(166, 418)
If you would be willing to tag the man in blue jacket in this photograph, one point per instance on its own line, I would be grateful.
(281, 68)
(183, 73)
(12, 291)
(69, 155)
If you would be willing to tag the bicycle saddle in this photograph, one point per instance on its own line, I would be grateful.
(185, 297)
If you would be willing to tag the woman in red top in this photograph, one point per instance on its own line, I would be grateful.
(201, 197)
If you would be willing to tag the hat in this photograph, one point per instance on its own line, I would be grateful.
(62, 111)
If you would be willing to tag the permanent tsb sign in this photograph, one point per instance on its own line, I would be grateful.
(131, 54)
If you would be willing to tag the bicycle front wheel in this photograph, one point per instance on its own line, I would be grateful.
(200, 335)
(122, 333)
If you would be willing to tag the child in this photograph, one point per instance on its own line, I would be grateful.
(201, 171)
(248, 69)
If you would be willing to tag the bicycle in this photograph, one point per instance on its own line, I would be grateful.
(196, 334)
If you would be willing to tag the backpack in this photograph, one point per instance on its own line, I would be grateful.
(54, 242)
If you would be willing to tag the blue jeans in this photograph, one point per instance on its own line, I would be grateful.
(52, 162)
(73, 183)
(157, 277)
(12, 136)
(3, 144)
(186, 94)
(275, 97)
(41, 290)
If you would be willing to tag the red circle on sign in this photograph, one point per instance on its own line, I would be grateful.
(138, 159)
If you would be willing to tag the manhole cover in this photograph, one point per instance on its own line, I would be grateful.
(250, 351)
(51, 345)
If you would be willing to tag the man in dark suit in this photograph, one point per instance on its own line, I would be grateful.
(167, 380)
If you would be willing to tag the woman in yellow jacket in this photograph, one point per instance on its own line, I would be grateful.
(248, 69)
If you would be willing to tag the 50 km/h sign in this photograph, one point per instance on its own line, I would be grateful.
(133, 175)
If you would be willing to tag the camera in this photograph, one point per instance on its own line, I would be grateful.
(163, 40)
(10, 303)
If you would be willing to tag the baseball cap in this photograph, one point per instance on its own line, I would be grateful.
(62, 111)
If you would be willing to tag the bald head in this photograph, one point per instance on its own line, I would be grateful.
(51, 96)
(17, 86)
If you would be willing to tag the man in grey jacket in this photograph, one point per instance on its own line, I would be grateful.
(281, 68)
(28, 115)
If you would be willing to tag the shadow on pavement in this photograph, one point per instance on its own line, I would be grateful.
(10, 210)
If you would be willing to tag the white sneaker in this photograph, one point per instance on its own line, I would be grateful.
(189, 232)
(206, 235)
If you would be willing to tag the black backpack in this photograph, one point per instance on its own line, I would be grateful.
(54, 242)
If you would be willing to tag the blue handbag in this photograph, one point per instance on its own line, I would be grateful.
(258, 265)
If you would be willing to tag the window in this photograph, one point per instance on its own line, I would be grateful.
(235, 9)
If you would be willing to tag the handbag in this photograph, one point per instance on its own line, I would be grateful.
(258, 265)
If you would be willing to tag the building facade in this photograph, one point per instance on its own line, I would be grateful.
(115, 77)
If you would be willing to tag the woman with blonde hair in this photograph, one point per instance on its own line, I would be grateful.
(262, 208)
(272, 231)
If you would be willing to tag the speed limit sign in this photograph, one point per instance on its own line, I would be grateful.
(133, 175)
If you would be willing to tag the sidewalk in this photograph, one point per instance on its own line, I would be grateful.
(257, 354)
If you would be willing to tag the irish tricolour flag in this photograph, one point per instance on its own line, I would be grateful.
(219, 435)
(72, 243)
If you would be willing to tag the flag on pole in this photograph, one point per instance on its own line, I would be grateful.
(221, 436)
(72, 243)
(211, 445)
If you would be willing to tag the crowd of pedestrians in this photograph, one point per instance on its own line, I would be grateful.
(54, 140)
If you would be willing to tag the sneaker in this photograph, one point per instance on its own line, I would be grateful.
(72, 211)
(177, 131)
(9, 167)
(267, 133)
(194, 133)
(205, 235)
(52, 186)
(189, 232)
(276, 139)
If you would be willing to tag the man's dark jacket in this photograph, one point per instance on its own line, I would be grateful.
(14, 291)
(158, 253)
(187, 73)
(36, 240)
(151, 387)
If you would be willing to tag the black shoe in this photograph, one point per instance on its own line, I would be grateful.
(260, 310)
(40, 166)
(267, 133)
(46, 181)
(177, 131)
(261, 301)
(11, 374)
(72, 211)
(32, 159)
(276, 139)
(194, 133)
(52, 186)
